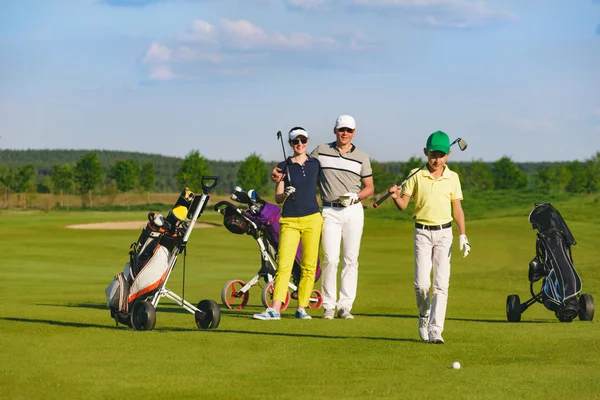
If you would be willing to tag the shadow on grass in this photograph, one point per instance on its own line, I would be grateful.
(217, 331)
(58, 323)
(492, 321)
(167, 307)
(177, 309)
(313, 336)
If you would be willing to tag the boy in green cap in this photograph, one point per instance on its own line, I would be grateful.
(436, 193)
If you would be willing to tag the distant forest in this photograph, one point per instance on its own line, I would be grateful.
(572, 176)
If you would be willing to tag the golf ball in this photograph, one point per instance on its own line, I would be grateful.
(456, 365)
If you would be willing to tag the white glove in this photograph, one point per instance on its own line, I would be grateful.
(289, 190)
(348, 199)
(464, 244)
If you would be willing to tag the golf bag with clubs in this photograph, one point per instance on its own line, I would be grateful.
(261, 221)
(553, 265)
(133, 295)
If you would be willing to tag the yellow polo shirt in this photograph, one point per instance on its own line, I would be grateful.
(433, 197)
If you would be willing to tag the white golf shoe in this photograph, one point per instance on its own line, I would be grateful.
(435, 337)
(424, 328)
(328, 313)
(344, 313)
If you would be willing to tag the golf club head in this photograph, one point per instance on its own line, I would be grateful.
(252, 195)
(278, 134)
(462, 145)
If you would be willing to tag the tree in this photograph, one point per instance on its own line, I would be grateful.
(408, 166)
(553, 178)
(382, 178)
(592, 167)
(578, 178)
(6, 178)
(124, 172)
(62, 180)
(88, 174)
(191, 171)
(147, 179)
(479, 176)
(23, 181)
(253, 173)
(507, 175)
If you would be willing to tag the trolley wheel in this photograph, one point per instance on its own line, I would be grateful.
(211, 316)
(513, 308)
(267, 296)
(586, 307)
(316, 299)
(143, 316)
(229, 295)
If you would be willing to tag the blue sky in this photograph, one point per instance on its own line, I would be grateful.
(511, 77)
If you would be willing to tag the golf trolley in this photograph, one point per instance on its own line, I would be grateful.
(261, 221)
(553, 264)
(133, 295)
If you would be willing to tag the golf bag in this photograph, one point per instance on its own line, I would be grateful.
(133, 295)
(261, 221)
(553, 265)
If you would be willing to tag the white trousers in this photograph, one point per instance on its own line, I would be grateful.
(341, 226)
(432, 251)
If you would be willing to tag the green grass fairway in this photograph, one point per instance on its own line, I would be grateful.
(57, 340)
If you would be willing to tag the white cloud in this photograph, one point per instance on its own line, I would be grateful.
(429, 13)
(313, 5)
(200, 32)
(232, 45)
(157, 53)
(243, 35)
(161, 73)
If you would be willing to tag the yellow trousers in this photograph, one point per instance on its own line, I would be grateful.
(291, 230)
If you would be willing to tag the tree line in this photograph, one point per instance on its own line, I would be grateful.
(97, 172)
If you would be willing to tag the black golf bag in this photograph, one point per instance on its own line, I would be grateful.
(553, 265)
(133, 295)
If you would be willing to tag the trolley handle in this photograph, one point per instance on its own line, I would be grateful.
(206, 187)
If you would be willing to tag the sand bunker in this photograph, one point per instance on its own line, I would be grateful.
(125, 225)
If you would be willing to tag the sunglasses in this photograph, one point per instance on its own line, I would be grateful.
(302, 140)
(349, 130)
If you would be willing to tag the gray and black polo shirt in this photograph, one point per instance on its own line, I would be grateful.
(341, 173)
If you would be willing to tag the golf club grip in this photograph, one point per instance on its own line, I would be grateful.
(381, 200)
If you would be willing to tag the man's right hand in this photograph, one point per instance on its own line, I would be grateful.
(277, 175)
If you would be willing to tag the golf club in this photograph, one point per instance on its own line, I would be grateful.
(279, 136)
(462, 145)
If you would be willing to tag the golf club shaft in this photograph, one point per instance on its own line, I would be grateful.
(461, 143)
(388, 194)
(287, 172)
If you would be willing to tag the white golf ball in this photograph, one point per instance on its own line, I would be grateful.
(456, 365)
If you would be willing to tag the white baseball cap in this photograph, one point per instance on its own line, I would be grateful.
(297, 131)
(345, 121)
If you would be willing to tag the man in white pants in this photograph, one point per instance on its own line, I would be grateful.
(437, 194)
(346, 178)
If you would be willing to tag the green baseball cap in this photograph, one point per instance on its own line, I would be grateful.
(438, 141)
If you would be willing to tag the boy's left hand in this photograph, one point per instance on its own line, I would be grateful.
(464, 244)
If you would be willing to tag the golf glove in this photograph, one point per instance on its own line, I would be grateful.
(289, 190)
(464, 245)
(348, 199)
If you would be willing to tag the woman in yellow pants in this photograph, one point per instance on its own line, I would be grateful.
(300, 220)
